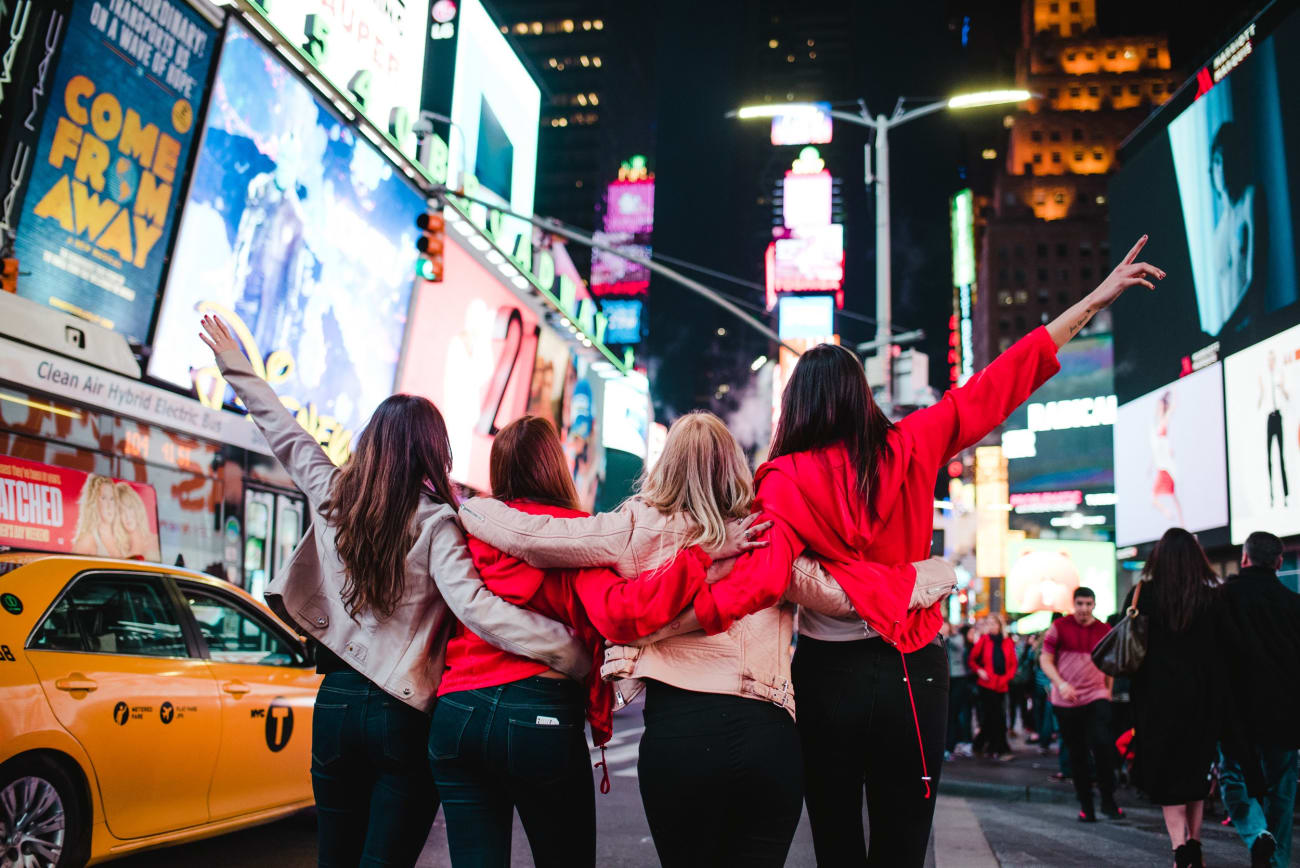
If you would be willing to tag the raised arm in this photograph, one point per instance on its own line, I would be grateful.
(509, 627)
(550, 541)
(302, 457)
(624, 610)
(1127, 274)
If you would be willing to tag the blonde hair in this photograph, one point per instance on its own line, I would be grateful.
(88, 511)
(129, 499)
(702, 473)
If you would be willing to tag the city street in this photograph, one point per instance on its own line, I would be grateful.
(968, 832)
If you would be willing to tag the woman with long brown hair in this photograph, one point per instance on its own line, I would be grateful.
(374, 584)
(844, 484)
(507, 734)
(718, 708)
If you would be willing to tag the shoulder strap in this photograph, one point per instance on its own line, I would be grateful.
(1137, 592)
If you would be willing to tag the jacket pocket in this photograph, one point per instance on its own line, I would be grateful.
(448, 729)
(542, 752)
(327, 723)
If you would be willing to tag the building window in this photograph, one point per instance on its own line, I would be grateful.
(1098, 155)
(1036, 136)
(1038, 158)
(1022, 296)
(1088, 55)
(1076, 29)
(1135, 89)
(1070, 56)
(1003, 256)
(1063, 298)
(1042, 275)
(1054, 7)
(1004, 325)
(1085, 248)
(1053, 92)
(1043, 296)
(1056, 156)
(1074, 92)
(1055, 135)
(1093, 90)
(1004, 344)
(1074, 8)
(1064, 274)
(1116, 89)
(1062, 250)
(1059, 198)
(1003, 276)
(1112, 54)
(1020, 324)
(1085, 272)
(1042, 250)
(1078, 156)
(1152, 53)
(1019, 252)
(1157, 87)
(1020, 277)
(1076, 135)
(1004, 297)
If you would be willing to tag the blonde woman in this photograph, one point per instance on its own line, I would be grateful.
(134, 520)
(718, 708)
(99, 530)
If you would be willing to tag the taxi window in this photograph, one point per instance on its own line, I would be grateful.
(235, 635)
(111, 614)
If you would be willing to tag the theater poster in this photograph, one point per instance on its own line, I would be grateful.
(59, 509)
(107, 173)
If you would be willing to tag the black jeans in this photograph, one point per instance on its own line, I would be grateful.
(375, 798)
(856, 724)
(960, 689)
(993, 722)
(518, 746)
(721, 778)
(1086, 730)
(1275, 433)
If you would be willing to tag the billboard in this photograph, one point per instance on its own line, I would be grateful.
(807, 199)
(1170, 463)
(810, 260)
(1043, 573)
(107, 169)
(808, 316)
(612, 274)
(64, 510)
(626, 421)
(375, 51)
(624, 315)
(1216, 189)
(1262, 401)
(806, 124)
(471, 352)
(630, 206)
(301, 235)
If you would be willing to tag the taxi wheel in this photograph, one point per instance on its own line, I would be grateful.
(42, 819)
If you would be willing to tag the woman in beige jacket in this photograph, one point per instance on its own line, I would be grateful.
(718, 708)
(374, 584)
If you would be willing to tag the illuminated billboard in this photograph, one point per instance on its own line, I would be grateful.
(1170, 463)
(1043, 573)
(627, 414)
(809, 261)
(1216, 186)
(805, 124)
(808, 199)
(1262, 402)
(805, 316)
(630, 206)
(625, 317)
(107, 170)
(375, 51)
(301, 235)
(612, 274)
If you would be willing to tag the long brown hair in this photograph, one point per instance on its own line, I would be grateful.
(403, 450)
(828, 401)
(528, 463)
(1182, 581)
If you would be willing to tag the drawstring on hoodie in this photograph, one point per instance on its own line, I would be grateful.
(604, 767)
(916, 719)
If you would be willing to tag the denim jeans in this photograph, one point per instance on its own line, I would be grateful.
(518, 746)
(375, 798)
(1271, 813)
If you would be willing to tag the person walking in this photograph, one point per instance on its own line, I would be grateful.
(719, 708)
(960, 689)
(1181, 698)
(374, 584)
(852, 488)
(1020, 689)
(993, 660)
(1081, 702)
(1262, 645)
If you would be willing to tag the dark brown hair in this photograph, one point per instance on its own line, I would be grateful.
(1182, 580)
(404, 449)
(527, 463)
(828, 401)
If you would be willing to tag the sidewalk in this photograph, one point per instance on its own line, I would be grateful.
(1027, 778)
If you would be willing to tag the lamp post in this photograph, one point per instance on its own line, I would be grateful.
(882, 124)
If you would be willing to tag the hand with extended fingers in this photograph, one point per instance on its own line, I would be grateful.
(743, 535)
(218, 336)
(1128, 273)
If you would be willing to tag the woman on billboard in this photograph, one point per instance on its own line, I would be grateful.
(99, 526)
(1164, 495)
(374, 584)
(844, 483)
(718, 708)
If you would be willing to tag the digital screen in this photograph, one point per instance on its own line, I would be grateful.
(627, 414)
(807, 200)
(120, 118)
(1043, 573)
(1262, 400)
(1170, 463)
(630, 207)
(567, 391)
(1216, 189)
(471, 352)
(809, 124)
(811, 316)
(811, 260)
(299, 234)
(624, 317)
(612, 274)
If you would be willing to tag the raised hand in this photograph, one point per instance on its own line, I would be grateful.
(217, 337)
(1128, 273)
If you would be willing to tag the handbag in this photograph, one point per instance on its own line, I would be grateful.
(1121, 651)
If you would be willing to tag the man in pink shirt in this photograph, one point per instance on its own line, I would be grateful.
(1081, 700)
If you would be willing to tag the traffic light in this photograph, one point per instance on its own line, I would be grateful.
(432, 228)
(9, 274)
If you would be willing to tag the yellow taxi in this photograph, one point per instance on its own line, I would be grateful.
(142, 705)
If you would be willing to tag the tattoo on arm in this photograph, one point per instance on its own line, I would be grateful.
(1081, 321)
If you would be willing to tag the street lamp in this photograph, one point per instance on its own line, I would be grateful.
(882, 124)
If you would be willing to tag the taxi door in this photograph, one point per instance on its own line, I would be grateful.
(268, 689)
(120, 675)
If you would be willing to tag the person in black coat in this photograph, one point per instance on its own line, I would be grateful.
(1262, 648)
(1180, 692)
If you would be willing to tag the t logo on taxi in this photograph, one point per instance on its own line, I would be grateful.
(279, 724)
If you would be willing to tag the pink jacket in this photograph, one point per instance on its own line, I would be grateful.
(751, 658)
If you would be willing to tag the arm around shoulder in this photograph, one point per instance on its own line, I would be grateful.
(546, 540)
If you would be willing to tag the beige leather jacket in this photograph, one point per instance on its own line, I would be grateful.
(403, 654)
(750, 659)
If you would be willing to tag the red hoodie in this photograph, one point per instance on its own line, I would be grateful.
(981, 659)
(812, 498)
(598, 604)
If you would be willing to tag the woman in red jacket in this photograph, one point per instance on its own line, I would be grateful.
(850, 487)
(993, 660)
(507, 731)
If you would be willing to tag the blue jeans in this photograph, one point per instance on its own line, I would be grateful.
(1272, 812)
(517, 746)
(375, 798)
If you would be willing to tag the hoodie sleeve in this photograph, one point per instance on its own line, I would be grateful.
(549, 540)
(624, 610)
(965, 416)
